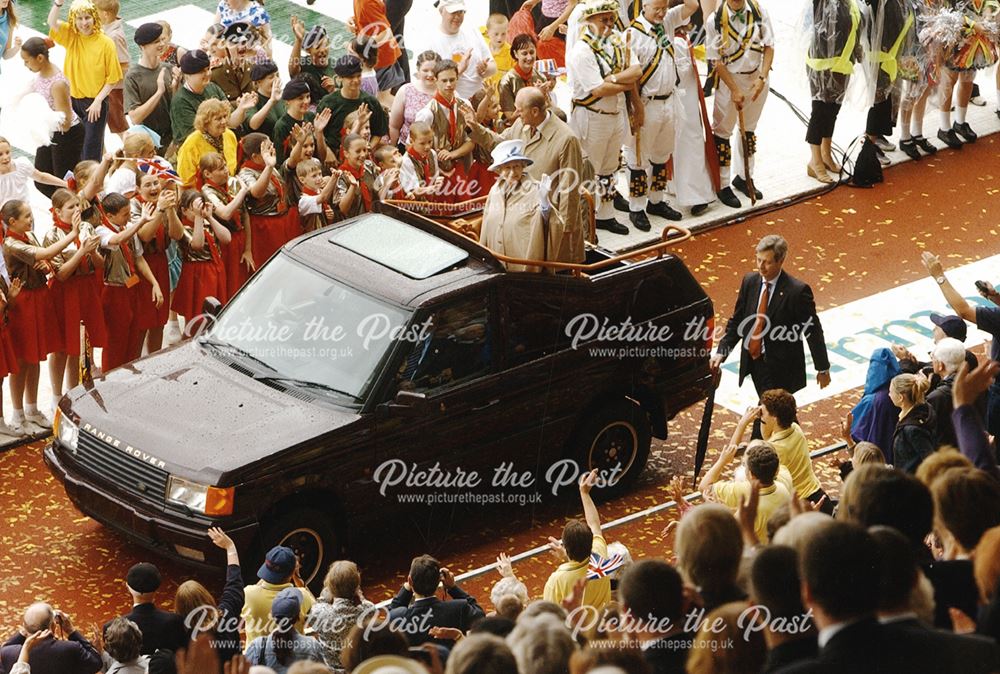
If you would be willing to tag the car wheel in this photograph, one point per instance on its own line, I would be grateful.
(615, 439)
(311, 534)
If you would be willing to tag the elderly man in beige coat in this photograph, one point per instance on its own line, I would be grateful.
(554, 150)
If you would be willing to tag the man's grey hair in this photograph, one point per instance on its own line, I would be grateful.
(951, 353)
(774, 243)
(38, 616)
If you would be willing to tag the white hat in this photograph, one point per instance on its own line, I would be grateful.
(509, 151)
(451, 6)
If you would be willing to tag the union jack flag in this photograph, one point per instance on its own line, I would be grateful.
(160, 168)
(602, 568)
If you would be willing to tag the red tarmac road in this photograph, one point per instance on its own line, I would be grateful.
(848, 244)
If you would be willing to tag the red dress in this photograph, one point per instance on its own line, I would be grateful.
(154, 252)
(202, 276)
(78, 298)
(272, 221)
(121, 304)
(31, 316)
(232, 253)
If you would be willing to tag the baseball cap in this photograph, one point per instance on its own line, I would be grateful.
(287, 604)
(278, 565)
(951, 325)
(451, 6)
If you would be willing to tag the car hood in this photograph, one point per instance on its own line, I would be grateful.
(202, 418)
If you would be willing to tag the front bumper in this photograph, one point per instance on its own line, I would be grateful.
(159, 531)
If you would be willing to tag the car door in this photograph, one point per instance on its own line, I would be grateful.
(438, 441)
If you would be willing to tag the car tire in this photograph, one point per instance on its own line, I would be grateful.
(313, 536)
(613, 433)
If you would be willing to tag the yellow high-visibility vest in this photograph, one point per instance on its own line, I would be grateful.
(841, 63)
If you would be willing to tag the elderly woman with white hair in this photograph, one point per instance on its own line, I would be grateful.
(541, 644)
(518, 215)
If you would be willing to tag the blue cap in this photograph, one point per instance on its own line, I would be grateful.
(278, 565)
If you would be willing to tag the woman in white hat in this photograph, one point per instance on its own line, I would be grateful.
(518, 213)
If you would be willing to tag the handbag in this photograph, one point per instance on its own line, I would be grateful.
(867, 169)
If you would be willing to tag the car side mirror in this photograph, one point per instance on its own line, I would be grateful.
(409, 403)
(211, 306)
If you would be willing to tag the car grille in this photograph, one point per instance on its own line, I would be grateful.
(108, 463)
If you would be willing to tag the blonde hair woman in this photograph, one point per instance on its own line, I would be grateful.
(211, 134)
(916, 432)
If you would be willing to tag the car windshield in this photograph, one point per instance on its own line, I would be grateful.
(293, 326)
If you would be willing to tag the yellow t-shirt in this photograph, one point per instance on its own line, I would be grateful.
(793, 451)
(560, 584)
(91, 61)
(732, 493)
(257, 608)
(503, 59)
(192, 149)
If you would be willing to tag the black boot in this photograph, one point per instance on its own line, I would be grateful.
(727, 197)
(612, 225)
(741, 185)
(698, 209)
(621, 203)
(663, 210)
(639, 221)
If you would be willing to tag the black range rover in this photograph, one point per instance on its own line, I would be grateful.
(383, 345)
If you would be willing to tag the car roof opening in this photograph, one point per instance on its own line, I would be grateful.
(399, 246)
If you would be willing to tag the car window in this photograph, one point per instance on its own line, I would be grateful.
(534, 326)
(455, 347)
(294, 323)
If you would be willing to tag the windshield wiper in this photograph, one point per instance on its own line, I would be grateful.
(305, 383)
(227, 347)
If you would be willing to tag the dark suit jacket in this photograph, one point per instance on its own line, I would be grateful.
(970, 654)
(74, 655)
(669, 655)
(867, 647)
(791, 652)
(791, 314)
(160, 629)
(461, 611)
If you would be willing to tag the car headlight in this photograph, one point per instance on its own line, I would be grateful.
(65, 431)
(200, 498)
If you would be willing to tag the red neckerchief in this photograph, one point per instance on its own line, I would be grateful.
(23, 238)
(526, 76)
(87, 265)
(124, 246)
(160, 237)
(452, 118)
(259, 168)
(424, 163)
(209, 238)
(359, 174)
(326, 207)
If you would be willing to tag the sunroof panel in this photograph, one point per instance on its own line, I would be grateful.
(399, 246)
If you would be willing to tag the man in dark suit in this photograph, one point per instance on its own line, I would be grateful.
(839, 566)
(898, 578)
(774, 312)
(72, 654)
(418, 610)
(651, 594)
(160, 629)
(774, 589)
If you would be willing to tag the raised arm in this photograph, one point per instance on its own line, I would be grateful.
(957, 302)
(590, 513)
